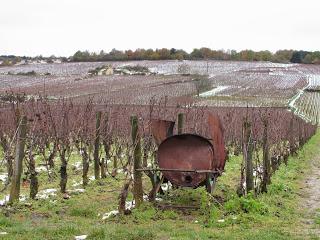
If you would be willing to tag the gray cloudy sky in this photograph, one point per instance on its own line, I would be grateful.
(61, 27)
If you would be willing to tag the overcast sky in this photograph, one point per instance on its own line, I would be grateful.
(61, 27)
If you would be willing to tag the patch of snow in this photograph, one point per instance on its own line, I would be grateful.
(78, 190)
(4, 177)
(77, 165)
(213, 91)
(3, 233)
(109, 214)
(3, 202)
(75, 183)
(296, 97)
(41, 169)
(314, 80)
(145, 197)
(166, 186)
(22, 198)
(46, 193)
(221, 221)
(80, 237)
(258, 171)
(129, 205)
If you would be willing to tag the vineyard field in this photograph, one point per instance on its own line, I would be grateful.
(233, 83)
(87, 150)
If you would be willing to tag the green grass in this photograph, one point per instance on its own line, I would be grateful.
(277, 214)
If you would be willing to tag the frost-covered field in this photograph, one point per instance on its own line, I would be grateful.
(229, 83)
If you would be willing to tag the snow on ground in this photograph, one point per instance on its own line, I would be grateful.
(314, 81)
(46, 193)
(77, 165)
(3, 177)
(129, 205)
(77, 190)
(75, 183)
(166, 186)
(311, 80)
(80, 237)
(213, 91)
(109, 214)
(41, 169)
(3, 202)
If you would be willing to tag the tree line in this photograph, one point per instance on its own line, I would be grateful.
(281, 56)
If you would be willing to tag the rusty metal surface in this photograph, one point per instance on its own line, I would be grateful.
(161, 129)
(177, 170)
(216, 132)
(188, 152)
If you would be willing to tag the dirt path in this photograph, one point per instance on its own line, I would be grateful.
(311, 199)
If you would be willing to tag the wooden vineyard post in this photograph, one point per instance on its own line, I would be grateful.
(85, 168)
(97, 147)
(266, 159)
(180, 123)
(34, 185)
(247, 154)
(137, 175)
(19, 155)
(106, 147)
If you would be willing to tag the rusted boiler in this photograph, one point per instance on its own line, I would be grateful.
(190, 160)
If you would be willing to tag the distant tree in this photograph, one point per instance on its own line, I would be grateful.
(154, 56)
(234, 55)
(196, 54)
(81, 56)
(117, 55)
(298, 56)
(164, 53)
(173, 51)
(313, 58)
(129, 54)
(139, 54)
(283, 56)
(247, 55)
(206, 53)
(263, 56)
(179, 55)
(149, 54)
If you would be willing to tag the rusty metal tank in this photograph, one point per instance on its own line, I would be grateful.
(186, 159)
(190, 160)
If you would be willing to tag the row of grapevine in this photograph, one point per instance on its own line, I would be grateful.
(100, 133)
